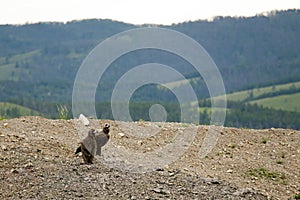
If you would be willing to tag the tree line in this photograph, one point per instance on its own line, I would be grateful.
(238, 114)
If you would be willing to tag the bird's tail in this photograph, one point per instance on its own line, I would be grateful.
(78, 150)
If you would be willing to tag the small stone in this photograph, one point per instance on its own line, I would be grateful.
(15, 171)
(171, 174)
(160, 191)
(5, 125)
(211, 181)
(4, 148)
(79, 195)
(229, 171)
(28, 165)
(244, 191)
(121, 134)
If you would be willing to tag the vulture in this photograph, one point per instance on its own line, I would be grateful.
(92, 143)
(101, 138)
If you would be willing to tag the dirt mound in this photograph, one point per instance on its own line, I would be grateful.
(37, 161)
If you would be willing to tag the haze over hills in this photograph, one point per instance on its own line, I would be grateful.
(38, 62)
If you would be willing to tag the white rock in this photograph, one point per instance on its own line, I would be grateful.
(84, 120)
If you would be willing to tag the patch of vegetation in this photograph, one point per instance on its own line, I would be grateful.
(297, 196)
(63, 112)
(185, 125)
(284, 102)
(10, 110)
(263, 92)
(265, 173)
(280, 162)
(264, 140)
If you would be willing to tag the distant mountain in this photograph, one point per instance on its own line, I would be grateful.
(40, 61)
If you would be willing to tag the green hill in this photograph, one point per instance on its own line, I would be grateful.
(249, 51)
(289, 102)
(281, 96)
(10, 110)
(39, 62)
(258, 93)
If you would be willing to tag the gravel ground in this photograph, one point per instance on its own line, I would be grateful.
(37, 161)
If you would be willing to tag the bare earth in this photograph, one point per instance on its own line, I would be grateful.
(37, 161)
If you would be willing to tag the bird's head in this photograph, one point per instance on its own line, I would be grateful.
(91, 132)
(106, 128)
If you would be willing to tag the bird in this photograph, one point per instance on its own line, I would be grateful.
(102, 138)
(88, 147)
(92, 144)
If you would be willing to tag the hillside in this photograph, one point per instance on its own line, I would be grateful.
(281, 102)
(278, 96)
(258, 58)
(248, 51)
(262, 92)
(10, 109)
(38, 161)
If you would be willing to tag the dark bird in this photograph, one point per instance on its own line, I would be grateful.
(92, 144)
(102, 138)
(88, 147)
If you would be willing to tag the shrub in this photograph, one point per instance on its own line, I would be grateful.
(63, 111)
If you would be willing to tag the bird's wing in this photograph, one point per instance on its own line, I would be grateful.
(78, 150)
(90, 144)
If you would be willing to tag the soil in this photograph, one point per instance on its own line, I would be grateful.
(37, 161)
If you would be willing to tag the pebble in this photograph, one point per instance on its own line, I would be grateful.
(160, 191)
(28, 165)
(5, 125)
(243, 191)
(15, 171)
(121, 134)
(211, 181)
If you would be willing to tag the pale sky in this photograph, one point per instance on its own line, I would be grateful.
(134, 11)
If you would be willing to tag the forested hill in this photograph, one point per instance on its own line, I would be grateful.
(40, 61)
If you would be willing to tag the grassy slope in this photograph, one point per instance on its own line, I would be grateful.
(23, 111)
(288, 102)
(7, 66)
(284, 102)
(174, 84)
(242, 95)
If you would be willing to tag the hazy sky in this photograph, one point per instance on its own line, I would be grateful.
(134, 11)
